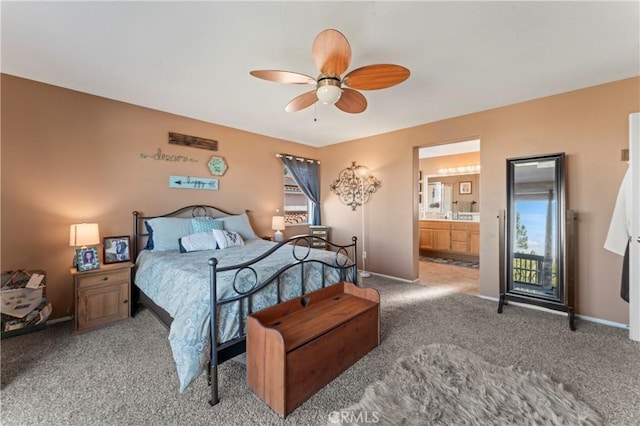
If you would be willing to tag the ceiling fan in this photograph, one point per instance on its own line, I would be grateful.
(331, 53)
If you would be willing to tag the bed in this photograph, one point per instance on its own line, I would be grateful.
(202, 270)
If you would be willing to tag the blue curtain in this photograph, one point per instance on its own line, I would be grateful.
(306, 176)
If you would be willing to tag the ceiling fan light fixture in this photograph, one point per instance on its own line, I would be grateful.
(331, 53)
(328, 91)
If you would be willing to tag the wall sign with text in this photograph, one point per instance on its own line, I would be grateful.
(191, 182)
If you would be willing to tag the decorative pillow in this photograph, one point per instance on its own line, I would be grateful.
(239, 223)
(164, 232)
(226, 238)
(205, 224)
(197, 242)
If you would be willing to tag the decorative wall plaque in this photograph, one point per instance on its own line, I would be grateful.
(193, 141)
(161, 156)
(217, 166)
(190, 182)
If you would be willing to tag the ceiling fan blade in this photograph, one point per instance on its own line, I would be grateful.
(283, 76)
(373, 77)
(331, 52)
(351, 101)
(301, 102)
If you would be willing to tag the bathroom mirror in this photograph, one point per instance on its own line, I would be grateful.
(439, 196)
(536, 268)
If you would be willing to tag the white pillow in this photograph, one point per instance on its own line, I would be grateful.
(197, 242)
(226, 238)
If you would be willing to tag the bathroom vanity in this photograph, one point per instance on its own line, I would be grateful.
(457, 239)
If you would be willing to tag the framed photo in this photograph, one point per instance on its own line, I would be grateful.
(117, 249)
(87, 259)
(465, 187)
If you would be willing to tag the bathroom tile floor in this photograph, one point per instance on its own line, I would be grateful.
(454, 278)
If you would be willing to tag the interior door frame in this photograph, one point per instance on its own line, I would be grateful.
(634, 246)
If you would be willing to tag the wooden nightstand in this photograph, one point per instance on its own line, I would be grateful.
(101, 296)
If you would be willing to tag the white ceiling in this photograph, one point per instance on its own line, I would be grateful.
(193, 59)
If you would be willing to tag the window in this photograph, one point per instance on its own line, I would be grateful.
(296, 204)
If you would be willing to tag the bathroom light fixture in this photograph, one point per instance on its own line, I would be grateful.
(459, 170)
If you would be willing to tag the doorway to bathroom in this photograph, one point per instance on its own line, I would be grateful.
(449, 216)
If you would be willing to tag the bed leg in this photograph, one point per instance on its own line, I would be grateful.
(213, 374)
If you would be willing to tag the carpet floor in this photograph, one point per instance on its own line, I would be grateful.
(124, 374)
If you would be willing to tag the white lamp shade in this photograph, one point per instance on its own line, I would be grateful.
(84, 234)
(328, 94)
(277, 223)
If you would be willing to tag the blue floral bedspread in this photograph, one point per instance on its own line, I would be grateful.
(179, 283)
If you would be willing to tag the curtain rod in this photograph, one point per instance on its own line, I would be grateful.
(291, 157)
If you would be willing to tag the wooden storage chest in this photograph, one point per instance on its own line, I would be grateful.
(296, 348)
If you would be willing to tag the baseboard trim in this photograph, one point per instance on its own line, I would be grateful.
(583, 317)
(604, 322)
(393, 278)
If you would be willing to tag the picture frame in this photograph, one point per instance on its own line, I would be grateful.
(87, 259)
(116, 249)
(465, 187)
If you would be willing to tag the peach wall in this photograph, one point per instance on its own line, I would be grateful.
(430, 166)
(70, 157)
(589, 125)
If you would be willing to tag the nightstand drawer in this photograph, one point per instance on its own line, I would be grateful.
(319, 231)
(104, 277)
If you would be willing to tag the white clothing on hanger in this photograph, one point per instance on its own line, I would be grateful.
(620, 226)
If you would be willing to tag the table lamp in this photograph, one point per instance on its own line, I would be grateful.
(83, 235)
(277, 224)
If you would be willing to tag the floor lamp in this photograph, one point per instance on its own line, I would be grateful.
(363, 172)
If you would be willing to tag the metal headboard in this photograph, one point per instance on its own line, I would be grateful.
(140, 233)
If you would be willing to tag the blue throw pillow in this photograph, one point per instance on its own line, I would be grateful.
(205, 224)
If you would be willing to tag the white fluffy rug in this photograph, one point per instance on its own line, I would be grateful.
(448, 385)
